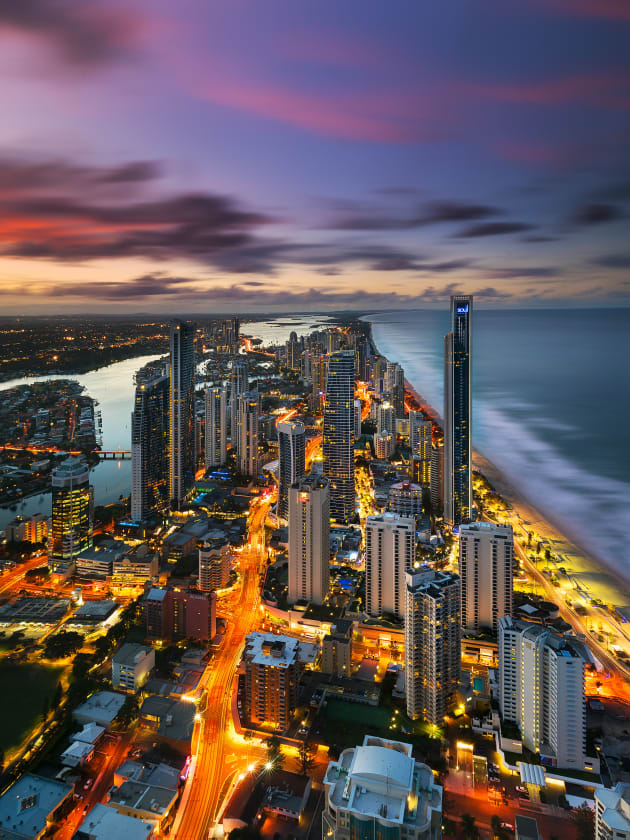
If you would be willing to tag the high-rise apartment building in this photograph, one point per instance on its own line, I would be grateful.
(72, 514)
(319, 370)
(384, 445)
(394, 385)
(357, 419)
(273, 667)
(309, 539)
(386, 418)
(294, 353)
(215, 563)
(458, 413)
(541, 689)
(405, 499)
(182, 412)
(379, 792)
(432, 643)
(390, 550)
(612, 812)
(337, 648)
(338, 435)
(486, 562)
(437, 476)
(291, 461)
(216, 426)
(420, 439)
(173, 614)
(239, 377)
(248, 413)
(150, 484)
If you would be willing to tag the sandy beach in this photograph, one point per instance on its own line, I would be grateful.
(586, 571)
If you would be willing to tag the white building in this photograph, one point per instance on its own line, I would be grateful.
(357, 419)
(291, 461)
(390, 549)
(131, 666)
(541, 689)
(405, 499)
(486, 562)
(386, 419)
(432, 643)
(378, 792)
(612, 812)
(216, 426)
(309, 539)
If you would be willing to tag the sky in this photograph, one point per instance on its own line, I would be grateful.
(294, 155)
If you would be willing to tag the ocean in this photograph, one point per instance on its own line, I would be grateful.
(551, 401)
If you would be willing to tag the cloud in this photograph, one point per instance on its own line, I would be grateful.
(613, 261)
(492, 229)
(597, 214)
(84, 33)
(352, 216)
(510, 272)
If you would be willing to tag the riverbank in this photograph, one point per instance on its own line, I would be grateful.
(591, 574)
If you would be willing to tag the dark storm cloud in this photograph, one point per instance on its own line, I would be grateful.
(353, 216)
(83, 33)
(613, 261)
(597, 214)
(492, 229)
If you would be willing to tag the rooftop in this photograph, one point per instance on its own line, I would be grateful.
(130, 654)
(103, 823)
(27, 804)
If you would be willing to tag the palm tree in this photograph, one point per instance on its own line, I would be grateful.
(469, 828)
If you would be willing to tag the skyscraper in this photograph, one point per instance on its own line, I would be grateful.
(291, 466)
(458, 413)
(216, 426)
(432, 643)
(182, 411)
(309, 539)
(294, 352)
(238, 386)
(338, 435)
(248, 412)
(319, 367)
(386, 418)
(420, 437)
(390, 549)
(395, 387)
(72, 514)
(150, 444)
(486, 558)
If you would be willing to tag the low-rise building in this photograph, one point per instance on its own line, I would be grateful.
(78, 754)
(143, 801)
(30, 806)
(131, 666)
(100, 708)
(276, 794)
(103, 823)
(378, 791)
(172, 721)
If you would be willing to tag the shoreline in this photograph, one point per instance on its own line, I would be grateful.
(595, 575)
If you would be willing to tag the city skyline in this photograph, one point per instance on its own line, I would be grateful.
(303, 160)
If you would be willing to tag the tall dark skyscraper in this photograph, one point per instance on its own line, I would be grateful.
(458, 413)
(150, 444)
(182, 411)
(291, 466)
(338, 436)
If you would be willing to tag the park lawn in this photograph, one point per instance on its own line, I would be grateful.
(24, 688)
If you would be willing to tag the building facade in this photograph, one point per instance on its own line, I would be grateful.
(272, 673)
(216, 426)
(131, 666)
(215, 565)
(291, 461)
(182, 412)
(390, 549)
(420, 439)
(458, 413)
(405, 499)
(612, 812)
(178, 614)
(486, 563)
(150, 445)
(309, 539)
(239, 377)
(338, 435)
(432, 643)
(72, 524)
(248, 408)
(541, 690)
(337, 649)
